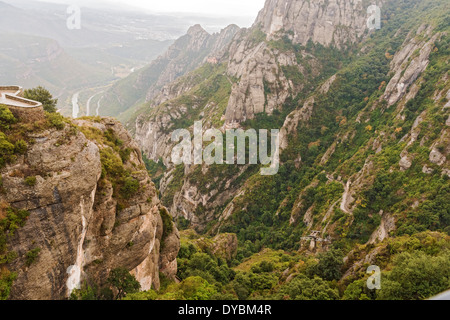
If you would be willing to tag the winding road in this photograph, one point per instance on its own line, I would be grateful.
(75, 106)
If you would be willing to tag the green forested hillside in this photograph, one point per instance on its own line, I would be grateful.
(369, 172)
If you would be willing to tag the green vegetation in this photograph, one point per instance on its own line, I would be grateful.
(56, 120)
(142, 296)
(31, 256)
(6, 118)
(7, 148)
(85, 293)
(416, 268)
(167, 224)
(130, 188)
(330, 265)
(120, 285)
(10, 221)
(304, 288)
(125, 186)
(416, 276)
(155, 170)
(30, 181)
(174, 186)
(263, 275)
(123, 283)
(351, 135)
(43, 96)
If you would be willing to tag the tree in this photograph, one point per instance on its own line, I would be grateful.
(330, 264)
(142, 296)
(358, 290)
(85, 293)
(415, 276)
(123, 282)
(303, 288)
(43, 96)
(6, 118)
(196, 288)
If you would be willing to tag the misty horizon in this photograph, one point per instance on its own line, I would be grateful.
(230, 12)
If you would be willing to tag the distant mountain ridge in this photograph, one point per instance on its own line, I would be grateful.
(186, 54)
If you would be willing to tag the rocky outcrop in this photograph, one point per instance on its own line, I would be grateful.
(183, 56)
(383, 231)
(409, 63)
(196, 202)
(263, 86)
(82, 229)
(225, 246)
(323, 21)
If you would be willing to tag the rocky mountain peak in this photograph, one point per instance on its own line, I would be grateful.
(196, 30)
(232, 28)
(322, 21)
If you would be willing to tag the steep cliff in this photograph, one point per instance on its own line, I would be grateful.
(91, 208)
(326, 22)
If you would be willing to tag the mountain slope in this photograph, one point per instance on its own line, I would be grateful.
(364, 119)
(186, 54)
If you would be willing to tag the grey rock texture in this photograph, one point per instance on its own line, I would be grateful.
(75, 219)
(322, 21)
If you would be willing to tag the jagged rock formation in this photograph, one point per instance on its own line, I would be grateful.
(222, 246)
(409, 63)
(82, 228)
(377, 116)
(188, 53)
(324, 21)
(262, 86)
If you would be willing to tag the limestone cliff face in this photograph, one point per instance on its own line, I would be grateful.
(323, 21)
(263, 86)
(197, 202)
(263, 75)
(82, 229)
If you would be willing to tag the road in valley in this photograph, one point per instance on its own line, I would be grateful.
(75, 106)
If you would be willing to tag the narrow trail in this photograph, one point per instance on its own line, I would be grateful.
(345, 198)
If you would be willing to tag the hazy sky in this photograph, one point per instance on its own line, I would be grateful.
(213, 7)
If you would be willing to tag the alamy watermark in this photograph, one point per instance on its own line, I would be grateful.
(374, 20)
(73, 21)
(235, 152)
(374, 281)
